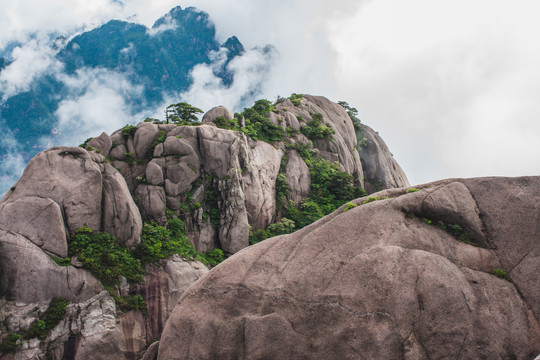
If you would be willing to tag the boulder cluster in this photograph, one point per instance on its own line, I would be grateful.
(445, 270)
(220, 181)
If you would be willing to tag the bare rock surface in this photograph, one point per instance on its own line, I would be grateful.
(121, 216)
(381, 169)
(102, 143)
(69, 177)
(298, 177)
(384, 278)
(216, 112)
(28, 274)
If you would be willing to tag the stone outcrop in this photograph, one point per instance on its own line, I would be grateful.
(221, 182)
(411, 276)
(196, 170)
(94, 328)
(381, 169)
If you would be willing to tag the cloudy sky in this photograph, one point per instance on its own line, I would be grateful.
(451, 86)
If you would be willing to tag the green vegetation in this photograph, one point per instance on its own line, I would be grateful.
(182, 114)
(285, 226)
(330, 188)
(39, 329)
(411, 190)
(61, 261)
(129, 130)
(295, 99)
(11, 343)
(500, 273)
(455, 230)
(374, 198)
(258, 125)
(315, 128)
(350, 206)
(160, 138)
(100, 253)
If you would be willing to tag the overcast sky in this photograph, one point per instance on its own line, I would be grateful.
(451, 86)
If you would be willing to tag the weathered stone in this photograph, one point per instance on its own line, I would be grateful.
(298, 177)
(154, 174)
(216, 112)
(151, 202)
(260, 184)
(163, 286)
(176, 146)
(152, 352)
(118, 152)
(28, 275)
(102, 144)
(219, 149)
(37, 219)
(389, 285)
(70, 178)
(144, 137)
(121, 216)
(380, 168)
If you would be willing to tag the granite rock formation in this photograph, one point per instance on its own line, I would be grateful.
(449, 271)
(140, 174)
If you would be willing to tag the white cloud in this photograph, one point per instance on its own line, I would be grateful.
(451, 86)
(12, 163)
(168, 24)
(249, 74)
(97, 104)
(30, 61)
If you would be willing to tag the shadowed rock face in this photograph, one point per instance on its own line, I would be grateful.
(380, 168)
(382, 280)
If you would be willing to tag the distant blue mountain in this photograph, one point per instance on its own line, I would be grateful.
(158, 59)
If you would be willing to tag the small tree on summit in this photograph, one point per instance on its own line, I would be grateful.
(182, 114)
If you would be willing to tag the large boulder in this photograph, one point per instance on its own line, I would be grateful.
(409, 276)
(67, 176)
(216, 112)
(381, 169)
(121, 216)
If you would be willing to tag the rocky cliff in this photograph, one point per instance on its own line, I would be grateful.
(445, 271)
(228, 179)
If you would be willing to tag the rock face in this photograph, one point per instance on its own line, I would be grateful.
(196, 170)
(61, 190)
(408, 277)
(380, 168)
(220, 182)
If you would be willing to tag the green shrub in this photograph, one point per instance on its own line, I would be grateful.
(350, 206)
(48, 320)
(129, 130)
(295, 99)
(160, 138)
(411, 190)
(129, 302)
(315, 128)
(61, 261)
(224, 123)
(500, 273)
(100, 253)
(282, 189)
(215, 256)
(375, 198)
(11, 343)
